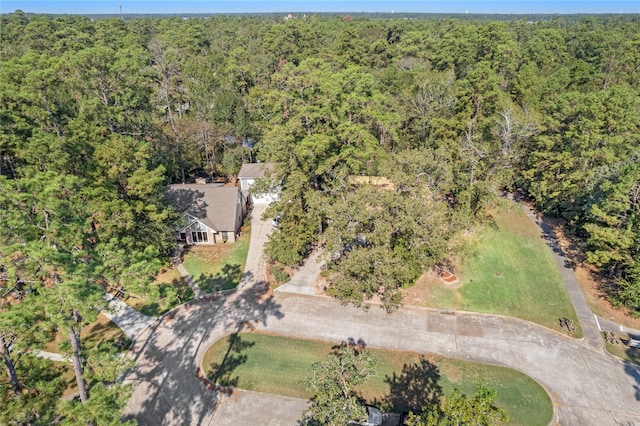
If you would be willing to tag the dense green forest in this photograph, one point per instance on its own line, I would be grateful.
(98, 116)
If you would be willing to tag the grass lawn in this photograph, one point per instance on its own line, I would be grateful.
(274, 364)
(165, 293)
(103, 330)
(628, 354)
(218, 266)
(510, 272)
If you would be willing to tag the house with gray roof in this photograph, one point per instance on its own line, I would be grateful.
(250, 173)
(212, 213)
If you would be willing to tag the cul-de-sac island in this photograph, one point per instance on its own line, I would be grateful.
(320, 219)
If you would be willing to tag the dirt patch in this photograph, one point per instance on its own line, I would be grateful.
(449, 279)
(417, 294)
(422, 293)
(453, 372)
(321, 283)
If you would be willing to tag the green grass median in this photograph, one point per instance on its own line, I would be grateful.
(274, 364)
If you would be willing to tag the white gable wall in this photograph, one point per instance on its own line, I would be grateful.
(245, 185)
(199, 233)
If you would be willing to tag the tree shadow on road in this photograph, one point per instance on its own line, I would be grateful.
(634, 371)
(166, 377)
(358, 345)
(413, 389)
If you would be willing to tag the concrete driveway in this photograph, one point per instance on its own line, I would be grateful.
(587, 385)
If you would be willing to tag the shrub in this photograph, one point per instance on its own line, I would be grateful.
(281, 276)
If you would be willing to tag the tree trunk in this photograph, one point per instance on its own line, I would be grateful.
(9, 366)
(176, 135)
(77, 364)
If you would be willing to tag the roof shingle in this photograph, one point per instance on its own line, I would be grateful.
(213, 204)
(254, 170)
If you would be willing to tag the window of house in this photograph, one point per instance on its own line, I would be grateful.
(198, 233)
(183, 236)
(199, 237)
(225, 236)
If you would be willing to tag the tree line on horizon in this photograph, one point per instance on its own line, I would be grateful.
(98, 116)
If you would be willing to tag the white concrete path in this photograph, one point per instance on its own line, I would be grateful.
(197, 292)
(51, 356)
(132, 322)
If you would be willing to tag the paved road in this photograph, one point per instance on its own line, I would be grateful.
(587, 385)
(304, 279)
(253, 408)
(607, 325)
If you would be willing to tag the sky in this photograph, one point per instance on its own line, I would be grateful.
(258, 6)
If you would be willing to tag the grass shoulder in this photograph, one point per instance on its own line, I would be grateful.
(510, 271)
(619, 345)
(404, 380)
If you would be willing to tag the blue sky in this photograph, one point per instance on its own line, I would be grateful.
(230, 6)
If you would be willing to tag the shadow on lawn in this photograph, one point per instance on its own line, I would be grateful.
(165, 296)
(233, 358)
(226, 279)
(413, 389)
(100, 334)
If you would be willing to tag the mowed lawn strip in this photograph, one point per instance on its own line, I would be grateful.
(278, 365)
(511, 272)
(220, 265)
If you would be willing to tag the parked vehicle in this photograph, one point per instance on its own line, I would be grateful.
(374, 417)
